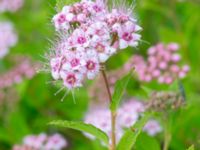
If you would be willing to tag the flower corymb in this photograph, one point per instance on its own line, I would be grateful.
(91, 34)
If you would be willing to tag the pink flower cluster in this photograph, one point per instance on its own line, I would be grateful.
(127, 115)
(10, 5)
(42, 142)
(24, 69)
(90, 34)
(8, 38)
(163, 64)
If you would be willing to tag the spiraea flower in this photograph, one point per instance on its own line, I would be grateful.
(163, 64)
(8, 38)
(42, 141)
(10, 5)
(91, 34)
(127, 115)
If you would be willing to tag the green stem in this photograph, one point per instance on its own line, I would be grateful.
(167, 134)
(113, 114)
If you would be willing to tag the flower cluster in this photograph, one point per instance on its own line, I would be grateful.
(24, 69)
(90, 35)
(127, 115)
(42, 141)
(10, 5)
(165, 101)
(8, 38)
(162, 64)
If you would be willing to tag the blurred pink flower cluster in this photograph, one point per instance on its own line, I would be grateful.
(42, 142)
(127, 116)
(90, 34)
(24, 69)
(10, 5)
(163, 64)
(8, 38)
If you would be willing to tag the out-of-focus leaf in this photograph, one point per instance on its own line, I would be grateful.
(120, 87)
(191, 147)
(147, 90)
(145, 142)
(130, 136)
(4, 135)
(80, 126)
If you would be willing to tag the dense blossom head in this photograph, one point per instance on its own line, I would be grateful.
(163, 64)
(10, 5)
(165, 101)
(127, 115)
(89, 39)
(8, 38)
(42, 141)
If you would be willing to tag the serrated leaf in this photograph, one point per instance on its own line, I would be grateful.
(191, 147)
(80, 126)
(120, 87)
(61, 3)
(130, 136)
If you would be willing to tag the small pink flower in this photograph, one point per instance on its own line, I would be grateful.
(60, 22)
(186, 68)
(98, 30)
(92, 66)
(152, 127)
(55, 67)
(176, 57)
(181, 74)
(10, 5)
(8, 38)
(55, 142)
(80, 38)
(103, 49)
(71, 79)
(173, 46)
(127, 37)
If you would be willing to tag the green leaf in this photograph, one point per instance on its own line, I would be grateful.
(191, 147)
(61, 3)
(147, 90)
(80, 126)
(120, 87)
(130, 136)
(146, 142)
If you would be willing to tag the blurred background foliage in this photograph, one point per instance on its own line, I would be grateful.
(162, 21)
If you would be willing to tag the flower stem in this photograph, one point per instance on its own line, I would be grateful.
(167, 140)
(167, 133)
(113, 114)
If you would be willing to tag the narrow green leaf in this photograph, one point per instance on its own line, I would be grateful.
(80, 126)
(130, 136)
(120, 87)
(191, 147)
